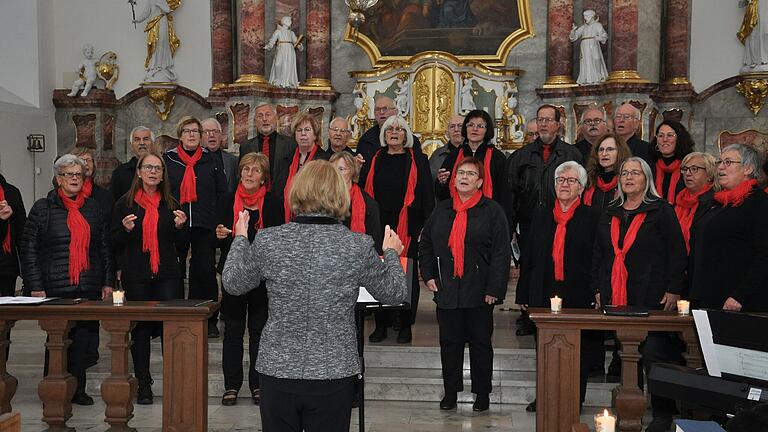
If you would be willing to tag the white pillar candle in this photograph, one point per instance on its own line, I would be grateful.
(556, 304)
(118, 297)
(683, 307)
(605, 422)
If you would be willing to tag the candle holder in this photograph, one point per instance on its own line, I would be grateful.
(556, 304)
(683, 307)
(605, 422)
(118, 297)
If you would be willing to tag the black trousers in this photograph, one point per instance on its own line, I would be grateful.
(405, 317)
(202, 267)
(236, 312)
(306, 405)
(144, 331)
(473, 326)
(661, 347)
(82, 353)
(7, 289)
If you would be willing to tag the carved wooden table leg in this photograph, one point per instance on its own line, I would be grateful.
(56, 389)
(8, 382)
(185, 370)
(557, 390)
(629, 400)
(692, 354)
(119, 389)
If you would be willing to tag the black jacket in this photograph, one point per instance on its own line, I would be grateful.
(498, 167)
(729, 255)
(9, 262)
(602, 200)
(230, 164)
(45, 250)
(656, 261)
(532, 181)
(584, 147)
(665, 184)
(128, 246)
(211, 187)
(487, 255)
(372, 221)
(281, 149)
(105, 200)
(641, 149)
(122, 177)
(369, 143)
(537, 276)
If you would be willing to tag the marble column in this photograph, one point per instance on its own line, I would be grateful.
(559, 46)
(624, 42)
(221, 42)
(318, 44)
(251, 40)
(676, 47)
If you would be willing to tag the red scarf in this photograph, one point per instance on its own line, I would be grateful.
(661, 169)
(149, 241)
(558, 245)
(244, 199)
(7, 238)
(605, 187)
(685, 207)
(79, 236)
(188, 190)
(357, 218)
(87, 187)
(459, 230)
(410, 194)
(487, 183)
(292, 171)
(265, 146)
(736, 196)
(619, 273)
(546, 150)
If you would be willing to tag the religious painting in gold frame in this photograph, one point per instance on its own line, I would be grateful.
(481, 31)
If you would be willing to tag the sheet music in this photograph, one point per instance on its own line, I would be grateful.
(707, 344)
(732, 360)
(22, 300)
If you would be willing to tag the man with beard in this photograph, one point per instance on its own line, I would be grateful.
(141, 140)
(593, 126)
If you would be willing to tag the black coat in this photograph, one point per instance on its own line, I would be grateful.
(9, 262)
(537, 276)
(45, 250)
(122, 177)
(498, 167)
(656, 261)
(128, 246)
(105, 200)
(372, 221)
(641, 149)
(531, 181)
(211, 187)
(729, 255)
(487, 255)
(281, 149)
(602, 200)
(369, 143)
(584, 147)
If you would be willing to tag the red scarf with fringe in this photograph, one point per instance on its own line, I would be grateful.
(459, 230)
(357, 204)
(410, 195)
(7, 238)
(188, 189)
(619, 273)
(243, 199)
(661, 169)
(558, 244)
(736, 196)
(685, 208)
(149, 242)
(603, 186)
(487, 182)
(292, 171)
(79, 235)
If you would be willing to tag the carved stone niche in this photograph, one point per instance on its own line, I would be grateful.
(430, 88)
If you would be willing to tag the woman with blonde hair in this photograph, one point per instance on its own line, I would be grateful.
(699, 171)
(363, 210)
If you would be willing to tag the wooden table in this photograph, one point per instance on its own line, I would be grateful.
(185, 361)
(557, 362)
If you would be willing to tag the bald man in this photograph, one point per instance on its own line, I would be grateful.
(384, 107)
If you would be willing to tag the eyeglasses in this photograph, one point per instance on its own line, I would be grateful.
(693, 169)
(570, 180)
(383, 109)
(544, 120)
(86, 160)
(150, 168)
(592, 122)
(727, 162)
(454, 127)
(668, 135)
(532, 134)
(249, 170)
(339, 130)
(71, 175)
(632, 173)
(606, 149)
(306, 130)
(190, 131)
(397, 129)
(211, 132)
(462, 173)
(476, 126)
(625, 117)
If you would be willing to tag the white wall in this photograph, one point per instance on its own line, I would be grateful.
(716, 53)
(107, 25)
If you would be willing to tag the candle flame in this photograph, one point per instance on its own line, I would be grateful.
(605, 413)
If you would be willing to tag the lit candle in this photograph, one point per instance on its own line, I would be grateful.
(683, 307)
(118, 297)
(556, 304)
(605, 422)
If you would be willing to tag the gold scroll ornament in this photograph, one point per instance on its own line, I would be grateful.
(755, 92)
(433, 101)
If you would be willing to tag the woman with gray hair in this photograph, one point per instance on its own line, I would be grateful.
(398, 178)
(559, 255)
(639, 260)
(729, 246)
(65, 253)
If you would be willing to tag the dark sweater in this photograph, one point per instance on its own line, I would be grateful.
(9, 262)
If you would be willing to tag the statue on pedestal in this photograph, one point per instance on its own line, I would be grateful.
(403, 98)
(86, 71)
(283, 72)
(467, 96)
(162, 41)
(592, 68)
(754, 35)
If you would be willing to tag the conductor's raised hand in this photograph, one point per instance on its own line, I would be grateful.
(241, 227)
(129, 222)
(180, 218)
(392, 241)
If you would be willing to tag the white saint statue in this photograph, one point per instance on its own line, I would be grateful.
(162, 41)
(86, 72)
(403, 98)
(283, 73)
(592, 68)
(754, 35)
(467, 96)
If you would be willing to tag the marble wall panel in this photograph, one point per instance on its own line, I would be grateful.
(251, 37)
(107, 132)
(240, 122)
(85, 130)
(221, 40)
(649, 29)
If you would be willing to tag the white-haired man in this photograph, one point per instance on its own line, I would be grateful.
(626, 123)
(141, 140)
(213, 138)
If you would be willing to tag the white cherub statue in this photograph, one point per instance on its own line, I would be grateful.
(86, 71)
(283, 73)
